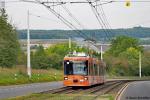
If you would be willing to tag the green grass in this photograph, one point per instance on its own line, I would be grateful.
(62, 97)
(107, 97)
(18, 75)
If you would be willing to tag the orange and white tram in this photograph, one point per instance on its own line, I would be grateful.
(83, 70)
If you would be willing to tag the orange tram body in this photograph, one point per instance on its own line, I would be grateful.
(83, 70)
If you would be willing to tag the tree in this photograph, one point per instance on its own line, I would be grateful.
(52, 57)
(122, 43)
(123, 56)
(9, 45)
(146, 63)
(39, 59)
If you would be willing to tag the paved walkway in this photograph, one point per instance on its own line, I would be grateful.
(20, 90)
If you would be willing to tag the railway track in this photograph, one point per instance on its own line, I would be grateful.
(59, 90)
(94, 92)
(108, 87)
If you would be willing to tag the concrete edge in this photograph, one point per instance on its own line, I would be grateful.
(121, 91)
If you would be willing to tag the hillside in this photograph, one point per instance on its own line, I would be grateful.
(142, 33)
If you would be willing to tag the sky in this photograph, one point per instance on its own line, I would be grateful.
(118, 15)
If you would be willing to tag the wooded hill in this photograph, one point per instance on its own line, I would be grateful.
(97, 34)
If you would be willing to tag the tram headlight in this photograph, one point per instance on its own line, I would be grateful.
(68, 63)
(81, 80)
(85, 78)
(65, 78)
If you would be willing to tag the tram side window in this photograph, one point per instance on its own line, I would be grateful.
(101, 70)
(86, 68)
(98, 72)
(95, 69)
(68, 68)
(90, 69)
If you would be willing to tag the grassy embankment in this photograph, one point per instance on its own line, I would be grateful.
(62, 97)
(17, 75)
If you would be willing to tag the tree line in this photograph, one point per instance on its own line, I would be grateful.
(97, 34)
(52, 57)
(122, 58)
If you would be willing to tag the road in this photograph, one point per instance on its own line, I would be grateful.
(139, 90)
(20, 90)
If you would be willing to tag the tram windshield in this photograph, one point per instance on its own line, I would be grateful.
(75, 68)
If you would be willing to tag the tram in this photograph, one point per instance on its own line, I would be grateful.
(81, 69)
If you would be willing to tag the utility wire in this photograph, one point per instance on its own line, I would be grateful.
(79, 2)
(100, 20)
(109, 27)
(123, 0)
(100, 17)
(66, 22)
(104, 3)
(103, 16)
(105, 20)
(71, 15)
(76, 20)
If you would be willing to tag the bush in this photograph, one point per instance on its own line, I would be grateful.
(9, 45)
(52, 57)
(123, 55)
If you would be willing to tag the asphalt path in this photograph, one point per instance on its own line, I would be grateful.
(21, 90)
(139, 90)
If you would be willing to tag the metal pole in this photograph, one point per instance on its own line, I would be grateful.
(140, 65)
(28, 46)
(101, 52)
